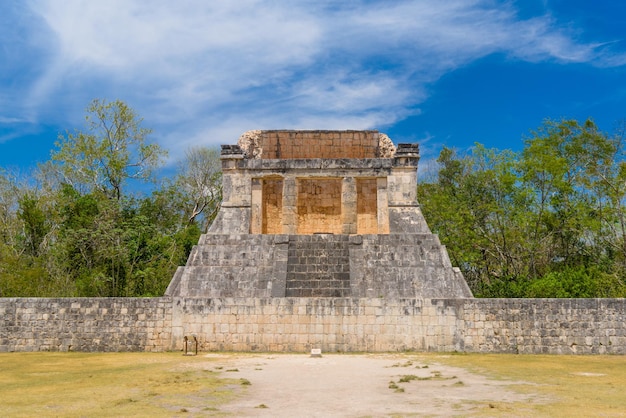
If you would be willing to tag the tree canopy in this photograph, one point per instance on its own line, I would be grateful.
(548, 221)
(112, 150)
(73, 228)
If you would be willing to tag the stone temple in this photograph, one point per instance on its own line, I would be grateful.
(319, 214)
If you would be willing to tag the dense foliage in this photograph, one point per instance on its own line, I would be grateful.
(549, 221)
(71, 228)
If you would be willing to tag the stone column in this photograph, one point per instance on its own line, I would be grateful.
(348, 206)
(382, 204)
(234, 214)
(290, 205)
(256, 216)
(404, 213)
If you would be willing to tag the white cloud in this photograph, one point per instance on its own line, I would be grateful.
(205, 71)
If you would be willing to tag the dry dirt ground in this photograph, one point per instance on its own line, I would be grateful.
(341, 385)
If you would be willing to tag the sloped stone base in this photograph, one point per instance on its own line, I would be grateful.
(320, 265)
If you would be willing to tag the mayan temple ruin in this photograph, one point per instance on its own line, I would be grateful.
(319, 214)
(319, 244)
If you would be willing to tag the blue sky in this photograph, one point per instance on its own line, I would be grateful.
(202, 72)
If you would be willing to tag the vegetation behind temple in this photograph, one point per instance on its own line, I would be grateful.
(548, 221)
(73, 228)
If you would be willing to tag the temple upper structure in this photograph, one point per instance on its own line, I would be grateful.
(319, 214)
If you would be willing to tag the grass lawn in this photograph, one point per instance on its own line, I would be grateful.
(574, 386)
(109, 384)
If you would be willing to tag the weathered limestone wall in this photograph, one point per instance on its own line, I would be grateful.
(367, 206)
(287, 145)
(85, 324)
(555, 326)
(332, 324)
(319, 206)
(397, 266)
(272, 212)
(558, 326)
(234, 265)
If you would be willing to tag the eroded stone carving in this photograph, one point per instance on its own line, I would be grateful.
(386, 149)
(249, 143)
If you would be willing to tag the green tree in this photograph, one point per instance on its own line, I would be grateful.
(71, 227)
(558, 163)
(9, 198)
(548, 221)
(112, 150)
(200, 179)
(34, 220)
(608, 184)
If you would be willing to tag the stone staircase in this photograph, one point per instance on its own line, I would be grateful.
(318, 266)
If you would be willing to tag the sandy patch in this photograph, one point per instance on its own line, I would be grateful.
(297, 385)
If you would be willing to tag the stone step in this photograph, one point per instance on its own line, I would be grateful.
(318, 266)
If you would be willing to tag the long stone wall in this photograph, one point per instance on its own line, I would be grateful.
(85, 324)
(555, 326)
(559, 326)
(332, 324)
